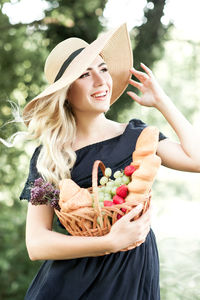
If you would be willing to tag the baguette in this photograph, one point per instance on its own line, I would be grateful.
(147, 163)
(146, 144)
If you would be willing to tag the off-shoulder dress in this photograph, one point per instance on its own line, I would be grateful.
(129, 275)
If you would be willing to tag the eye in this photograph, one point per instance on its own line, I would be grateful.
(105, 69)
(84, 75)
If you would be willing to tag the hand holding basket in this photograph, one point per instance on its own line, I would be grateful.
(81, 212)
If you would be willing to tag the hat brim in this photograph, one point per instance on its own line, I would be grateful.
(115, 48)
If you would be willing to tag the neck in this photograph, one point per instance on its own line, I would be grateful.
(89, 125)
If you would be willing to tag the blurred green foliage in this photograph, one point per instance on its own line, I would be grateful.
(16, 268)
(24, 48)
(179, 274)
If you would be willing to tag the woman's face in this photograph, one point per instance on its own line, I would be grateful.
(92, 90)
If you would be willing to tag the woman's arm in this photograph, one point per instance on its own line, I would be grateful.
(184, 156)
(43, 243)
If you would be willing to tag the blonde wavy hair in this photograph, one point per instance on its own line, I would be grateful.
(52, 123)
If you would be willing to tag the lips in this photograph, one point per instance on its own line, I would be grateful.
(100, 94)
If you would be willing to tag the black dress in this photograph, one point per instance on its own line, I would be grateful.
(129, 275)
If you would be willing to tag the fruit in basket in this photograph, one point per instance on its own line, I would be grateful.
(114, 190)
(128, 171)
(103, 180)
(108, 203)
(116, 195)
(117, 174)
(126, 179)
(122, 191)
(108, 172)
(131, 184)
(118, 200)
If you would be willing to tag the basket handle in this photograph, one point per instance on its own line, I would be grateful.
(96, 165)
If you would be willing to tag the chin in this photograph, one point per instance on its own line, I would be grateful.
(104, 109)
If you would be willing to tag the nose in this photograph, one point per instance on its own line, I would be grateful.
(98, 79)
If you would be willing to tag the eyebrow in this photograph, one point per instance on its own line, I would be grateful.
(101, 64)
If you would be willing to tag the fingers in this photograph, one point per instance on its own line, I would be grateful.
(144, 223)
(136, 84)
(146, 217)
(145, 233)
(134, 212)
(141, 76)
(141, 226)
(134, 96)
(146, 69)
(128, 232)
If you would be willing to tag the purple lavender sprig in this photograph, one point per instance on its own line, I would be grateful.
(44, 192)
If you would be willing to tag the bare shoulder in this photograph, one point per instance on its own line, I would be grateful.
(106, 131)
(117, 128)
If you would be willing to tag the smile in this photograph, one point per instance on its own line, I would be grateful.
(99, 95)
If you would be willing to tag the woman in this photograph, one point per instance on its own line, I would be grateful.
(68, 119)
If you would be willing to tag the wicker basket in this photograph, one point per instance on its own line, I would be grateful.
(97, 220)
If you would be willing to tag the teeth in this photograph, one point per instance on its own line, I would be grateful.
(100, 95)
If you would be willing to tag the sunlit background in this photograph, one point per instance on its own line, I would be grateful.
(176, 195)
(185, 17)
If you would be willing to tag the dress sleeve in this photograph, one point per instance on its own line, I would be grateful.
(140, 124)
(32, 176)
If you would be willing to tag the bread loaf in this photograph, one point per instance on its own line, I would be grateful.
(146, 144)
(147, 164)
(72, 196)
(68, 188)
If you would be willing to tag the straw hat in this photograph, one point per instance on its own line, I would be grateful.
(70, 58)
